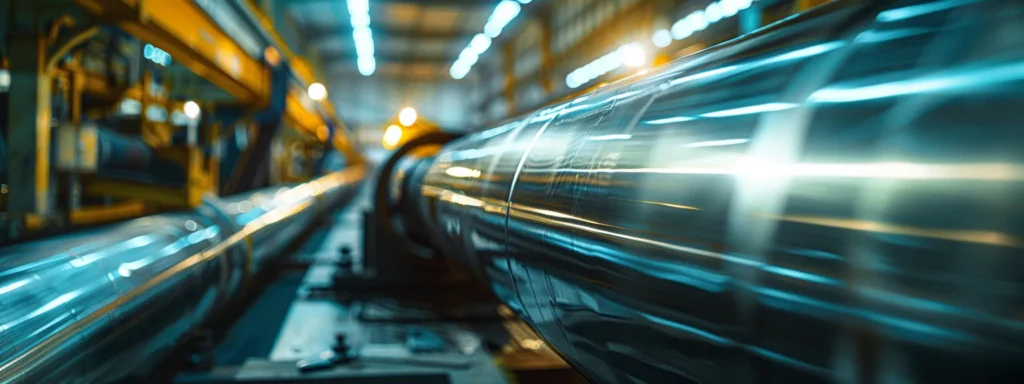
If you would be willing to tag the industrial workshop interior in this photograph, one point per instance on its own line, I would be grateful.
(511, 191)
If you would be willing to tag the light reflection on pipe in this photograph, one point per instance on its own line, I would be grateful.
(610, 137)
(732, 69)
(670, 120)
(463, 172)
(969, 236)
(750, 167)
(873, 36)
(960, 79)
(15, 285)
(135, 242)
(920, 10)
(717, 143)
(749, 110)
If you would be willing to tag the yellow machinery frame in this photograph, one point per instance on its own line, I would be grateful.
(196, 42)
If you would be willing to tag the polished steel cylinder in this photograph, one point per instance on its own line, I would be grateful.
(101, 305)
(835, 198)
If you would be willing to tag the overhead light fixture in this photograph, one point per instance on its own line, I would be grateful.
(366, 65)
(713, 13)
(630, 55)
(407, 116)
(317, 91)
(633, 55)
(700, 19)
(503, 14)
(480, 43)
(156, 55)
(359, 18)
(191, 109)
(662, 38)
(459, 70)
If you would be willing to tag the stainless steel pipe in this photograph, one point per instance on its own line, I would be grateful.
(836, 198)
(100, 305)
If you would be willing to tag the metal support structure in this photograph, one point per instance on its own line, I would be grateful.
(28, 134)
(546, 60)
(38, 38)
(252, 167)
(509, 58)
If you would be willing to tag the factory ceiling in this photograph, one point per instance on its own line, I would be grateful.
(411, 38)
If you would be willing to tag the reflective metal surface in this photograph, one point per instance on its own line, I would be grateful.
(99, 305)
(837, 198)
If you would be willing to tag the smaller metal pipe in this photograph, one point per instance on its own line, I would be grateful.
(103, 304)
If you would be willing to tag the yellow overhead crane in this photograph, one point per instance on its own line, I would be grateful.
(184, 30)
(188, 34)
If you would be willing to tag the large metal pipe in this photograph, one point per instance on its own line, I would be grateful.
(100, 305)
(836, 198)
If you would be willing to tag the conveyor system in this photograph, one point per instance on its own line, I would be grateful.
(835, 198)
(106, 304)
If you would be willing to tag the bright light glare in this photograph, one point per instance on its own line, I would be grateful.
(729, 7)
(697, 21)
(191, 109)
(717, 143)
(681, 30)
(662, 38)
(358, 6)
(753, 109)
(459, 70)
(463, 172)
(632, 55)
(407, 116)
(391, 136)
(480, 43)
(713, 13)
(317, 91)
(468, 56)
(360, 20)
(367, 65)
(670, 120)
(362, 35)
(610, 137)
(503, 13)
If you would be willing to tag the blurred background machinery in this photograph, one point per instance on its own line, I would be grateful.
(536, 191)
(113, 110)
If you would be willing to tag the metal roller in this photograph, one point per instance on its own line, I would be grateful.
(835, 198)
(100, 305)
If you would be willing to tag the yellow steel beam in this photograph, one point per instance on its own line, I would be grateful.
(300, 67)
(304, 72)
(306, 121)
(194, 40)
(106, 214)
(168, 197)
